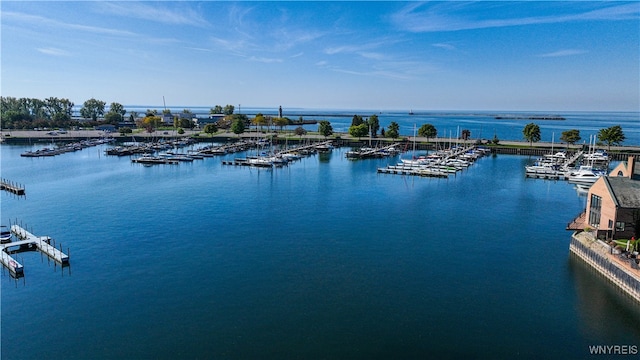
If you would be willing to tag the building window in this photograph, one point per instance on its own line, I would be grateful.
(619, 225)
(594, 211)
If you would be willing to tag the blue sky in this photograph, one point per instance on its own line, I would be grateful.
(335, 55)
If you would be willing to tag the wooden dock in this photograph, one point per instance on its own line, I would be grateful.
(10, 263)
(545, 174)
(313, 146)
(413, 171)
(28, 240)
(11, 187)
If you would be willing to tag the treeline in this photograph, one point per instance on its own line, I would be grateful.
(25, 113)
(53, 112)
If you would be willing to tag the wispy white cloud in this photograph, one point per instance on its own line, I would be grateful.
(199, 49)
(54, 51)
(454, 16)
(371, 55)
(561, 53)
(43, 21)
(179, 14)
(444, 46)
(364, 49)
(264, 59)
(395, 70)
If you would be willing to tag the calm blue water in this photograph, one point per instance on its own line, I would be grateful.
(321, 259)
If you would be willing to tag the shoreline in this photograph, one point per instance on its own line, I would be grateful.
(27, 136)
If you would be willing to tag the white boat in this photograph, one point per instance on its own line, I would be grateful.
(598, 155)
(5, 234)
(585, 175)
(260, 161)
(421, 160)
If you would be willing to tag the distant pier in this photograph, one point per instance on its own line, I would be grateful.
(11, 187)
(26, 241)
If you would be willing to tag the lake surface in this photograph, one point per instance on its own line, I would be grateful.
(449, 124)
(324, 258)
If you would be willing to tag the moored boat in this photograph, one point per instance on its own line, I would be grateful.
(586, 174)
(5, 235)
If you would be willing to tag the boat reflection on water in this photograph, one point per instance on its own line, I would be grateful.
(582, 189)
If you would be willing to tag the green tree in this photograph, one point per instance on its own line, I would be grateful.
(210, 129)
(394, 130)
(428, 131)
(185, 123)
(117, 108)
(115, 114)
(180, 131)
(358, 130)
(281, 122)
(612, 135)
(228, 109)
(325, 128)
(237, 127)
(216, 110)
(570, 136)
(373, 124)
(112, 118)
(300, 131)
(531, 133)
(357, 120)
(92, 109)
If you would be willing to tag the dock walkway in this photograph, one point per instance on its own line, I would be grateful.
(27, 239)
(11, 187)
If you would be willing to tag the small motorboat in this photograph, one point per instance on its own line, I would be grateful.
(5, 235)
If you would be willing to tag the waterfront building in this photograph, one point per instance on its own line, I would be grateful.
(613, 204)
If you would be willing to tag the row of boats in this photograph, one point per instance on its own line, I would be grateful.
(148, 148)
(261, 158)
(561, 165)
(440, 163)
(368, 152)
(71, 147)
(270, 158)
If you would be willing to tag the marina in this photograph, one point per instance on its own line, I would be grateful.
(319, 259)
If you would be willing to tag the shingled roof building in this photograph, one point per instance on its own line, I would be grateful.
(613, 203)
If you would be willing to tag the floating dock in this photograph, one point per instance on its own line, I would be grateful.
(12, 264)
(412, 171)
(545, 174)
(11, 187)
(28, 240)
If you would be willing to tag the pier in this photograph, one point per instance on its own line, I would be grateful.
(27, 240)
(416, 171)
(314, 146)
(11, 187)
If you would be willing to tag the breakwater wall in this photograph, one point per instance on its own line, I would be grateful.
(599, 256)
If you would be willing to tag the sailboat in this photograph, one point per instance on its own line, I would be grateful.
(415, 161)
